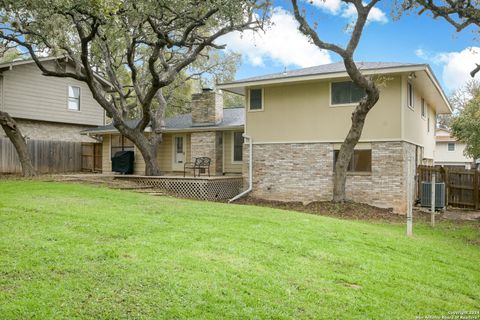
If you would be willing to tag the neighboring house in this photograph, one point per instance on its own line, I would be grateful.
(209, 131)
(449, 151)
(298, 119)
(47, 110)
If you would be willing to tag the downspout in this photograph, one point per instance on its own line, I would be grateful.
(250, 171)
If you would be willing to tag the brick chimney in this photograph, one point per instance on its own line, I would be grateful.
(207, 108)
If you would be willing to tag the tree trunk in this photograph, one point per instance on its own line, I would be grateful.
(15, 135)
(346, 150)
(148, 147)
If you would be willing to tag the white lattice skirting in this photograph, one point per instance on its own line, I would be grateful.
(205, 188)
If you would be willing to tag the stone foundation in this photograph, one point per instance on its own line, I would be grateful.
(42, 130)
(304, 172)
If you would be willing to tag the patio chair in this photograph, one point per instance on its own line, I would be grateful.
(199, 164)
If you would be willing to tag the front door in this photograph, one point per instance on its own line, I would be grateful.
(178, 152)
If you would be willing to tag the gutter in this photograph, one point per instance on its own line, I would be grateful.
(250, 170)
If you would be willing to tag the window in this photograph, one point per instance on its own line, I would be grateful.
(74, 98)
(410, 95)
(120, 143)
(451, 146)
(423, 107)
(237, 146)
(361, 161)
(256, 99)
(346, 93)
(428, 124)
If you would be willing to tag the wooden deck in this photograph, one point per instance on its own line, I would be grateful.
(203, 188)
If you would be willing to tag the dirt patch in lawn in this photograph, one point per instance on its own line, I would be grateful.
(348, 210)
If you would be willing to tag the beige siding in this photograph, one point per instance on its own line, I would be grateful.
(415, 127)
(30, 95)
(301, 112)
(106, 156)
(444, 156)
(228, 165)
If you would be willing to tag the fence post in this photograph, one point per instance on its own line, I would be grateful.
(475, 190)
(432, 204)
(447, 185)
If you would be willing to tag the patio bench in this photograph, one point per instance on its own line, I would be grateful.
(198, 164)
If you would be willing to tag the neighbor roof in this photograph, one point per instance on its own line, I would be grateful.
(233, 118)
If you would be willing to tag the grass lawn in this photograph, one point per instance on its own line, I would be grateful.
(75, 251)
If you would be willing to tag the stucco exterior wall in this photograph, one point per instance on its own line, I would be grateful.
(414, 126)
(456, 157)
(229, 166)
(27, 94)
(304, 172)
(301, 112)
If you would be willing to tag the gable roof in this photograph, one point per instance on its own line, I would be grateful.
(337, 70)
(325, 69)
(233, 118)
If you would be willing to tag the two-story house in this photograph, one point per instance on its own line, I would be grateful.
(297, 120)
(46, 109)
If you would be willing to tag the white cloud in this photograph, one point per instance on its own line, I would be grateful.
(330, 6)
(375, 15)
(282, 43)
(456, 65)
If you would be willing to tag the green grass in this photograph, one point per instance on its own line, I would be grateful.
(74, 251)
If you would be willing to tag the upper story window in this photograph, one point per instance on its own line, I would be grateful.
(428, 124)
(451, 146)
(410, 95)
(423, 108)
(361, 161)
(73, 98)
(255, 101)
(345, 92)
(237, 146)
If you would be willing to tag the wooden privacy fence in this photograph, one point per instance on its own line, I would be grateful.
(92, 157)
(47, 156)
(461, 185)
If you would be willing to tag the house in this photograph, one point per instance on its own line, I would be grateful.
(208, 131)
(51, 112)
(297, 120)
(449, 152)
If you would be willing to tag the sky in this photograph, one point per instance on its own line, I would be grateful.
(411, 39)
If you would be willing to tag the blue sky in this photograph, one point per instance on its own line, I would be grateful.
(412, 38)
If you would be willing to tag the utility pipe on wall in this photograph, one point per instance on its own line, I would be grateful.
(250, 171)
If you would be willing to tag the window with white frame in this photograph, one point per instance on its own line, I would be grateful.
(346, 92)
(73, 98)
(451, 146)
(423, 107)
(255, 99)
(237, 146)
(410, 95)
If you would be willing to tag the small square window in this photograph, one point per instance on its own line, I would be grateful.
(256, 99)
(410, 95)
(451, 146)
(346, 92)
(73, 98)
(361, 161)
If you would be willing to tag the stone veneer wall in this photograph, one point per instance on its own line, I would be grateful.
(304, 172)
(206, 144)
(42, 130)
(207, 108)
